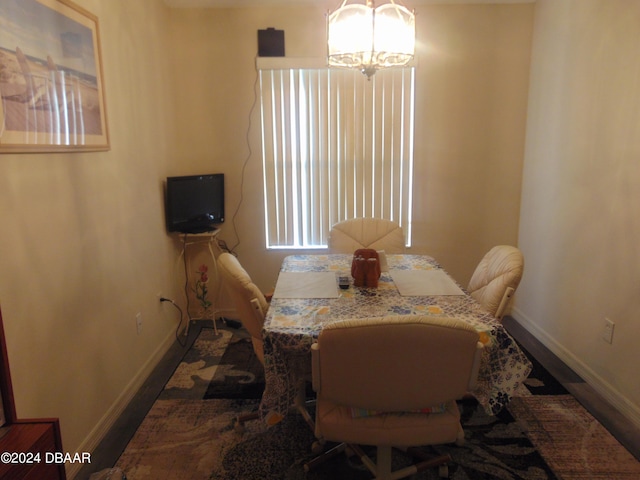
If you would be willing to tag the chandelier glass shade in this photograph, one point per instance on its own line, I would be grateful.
(363, 36)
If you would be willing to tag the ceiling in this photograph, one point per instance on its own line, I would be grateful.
(262, 3)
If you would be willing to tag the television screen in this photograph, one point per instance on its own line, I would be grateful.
(194, 203)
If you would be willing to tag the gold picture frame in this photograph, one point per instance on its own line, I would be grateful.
(51, 82)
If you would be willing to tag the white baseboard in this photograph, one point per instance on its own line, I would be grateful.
(111, 416)
(617, 400)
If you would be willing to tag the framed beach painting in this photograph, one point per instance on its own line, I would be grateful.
(50, 78)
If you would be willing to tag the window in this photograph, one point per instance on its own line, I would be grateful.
(334, 146)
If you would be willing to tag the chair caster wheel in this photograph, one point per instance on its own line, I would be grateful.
(443, 471)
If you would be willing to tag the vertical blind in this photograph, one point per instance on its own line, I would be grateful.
(334, 146)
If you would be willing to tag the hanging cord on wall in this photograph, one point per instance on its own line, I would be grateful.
(163, 299)
(244, 165)
(186, 273)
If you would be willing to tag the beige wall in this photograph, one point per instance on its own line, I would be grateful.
(83, 246)
(579, 227)
(472, 82)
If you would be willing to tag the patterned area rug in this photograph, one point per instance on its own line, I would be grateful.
(540, 381)
(495, 448)
(239, 374)
(189, 432)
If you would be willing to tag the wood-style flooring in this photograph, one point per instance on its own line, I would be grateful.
(618, 425)
(114, 443)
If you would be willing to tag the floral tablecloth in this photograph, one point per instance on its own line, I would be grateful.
(292, 325)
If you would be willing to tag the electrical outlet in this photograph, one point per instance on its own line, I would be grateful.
(607, 333)
(139, 322)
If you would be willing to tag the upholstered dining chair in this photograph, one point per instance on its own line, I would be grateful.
(377, 233)
(250, 304)
(496, 278)
(393, 381)
(249, 301)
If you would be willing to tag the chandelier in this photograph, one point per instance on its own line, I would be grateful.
(363, 36)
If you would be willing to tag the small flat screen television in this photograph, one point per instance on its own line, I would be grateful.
(194, 203)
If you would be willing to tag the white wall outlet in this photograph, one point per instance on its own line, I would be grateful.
(607, 333)
(139, 322)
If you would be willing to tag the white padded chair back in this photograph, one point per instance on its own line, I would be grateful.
(496, 278)
(380, 234)
(399, 363)
(249, 301)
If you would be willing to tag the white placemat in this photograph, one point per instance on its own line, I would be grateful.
(306, 285)
(416, 283)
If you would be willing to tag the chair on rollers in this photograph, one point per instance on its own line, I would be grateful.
(392, 382)
(251, 306)
(377, 233)
(496, 279)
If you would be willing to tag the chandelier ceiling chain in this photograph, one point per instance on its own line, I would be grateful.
(367, 37)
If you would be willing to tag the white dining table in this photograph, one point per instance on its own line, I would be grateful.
(307, 296)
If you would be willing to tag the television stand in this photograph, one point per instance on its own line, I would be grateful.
(210, 240)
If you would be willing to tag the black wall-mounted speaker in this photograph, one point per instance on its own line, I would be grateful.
(271, 43)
